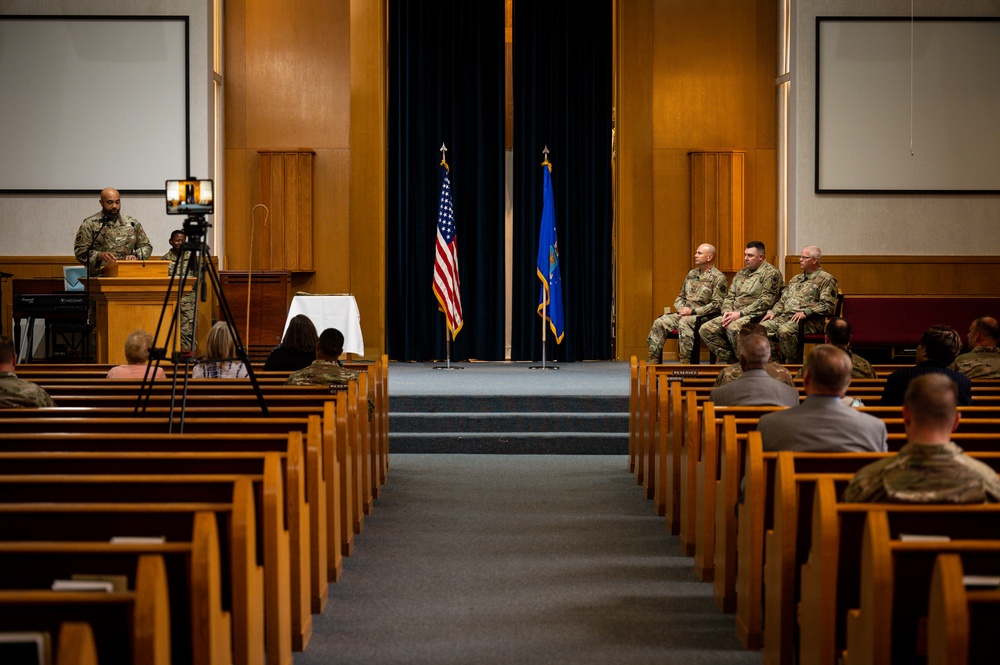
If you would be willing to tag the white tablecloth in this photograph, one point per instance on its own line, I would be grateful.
(340, 312)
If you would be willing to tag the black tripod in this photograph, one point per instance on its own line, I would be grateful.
(195, 250)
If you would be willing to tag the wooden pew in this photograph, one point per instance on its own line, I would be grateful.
(200, 627)
(129, 626)
(206, 465)
(50, 521)
(214, 488)
(961, 622)
(769, 510)
(895, 582)
(829, 578)
(75, 644)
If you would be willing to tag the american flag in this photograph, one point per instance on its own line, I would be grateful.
(446, 283)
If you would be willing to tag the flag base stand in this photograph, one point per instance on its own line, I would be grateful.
(542, 367)
(446, 367)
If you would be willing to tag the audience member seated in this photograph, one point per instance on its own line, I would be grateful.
(755, 387)
(733, 372)
(297, 348)
(938, 348)
(219, 361)
(137, 346)
(326, 369)
(822, 422)
(838, 333)
(16, 393)
(930, 468)
(983, 361)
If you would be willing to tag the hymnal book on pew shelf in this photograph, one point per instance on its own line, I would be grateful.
(922, 538)
(981, 581)
(138, 540)
(83, 585)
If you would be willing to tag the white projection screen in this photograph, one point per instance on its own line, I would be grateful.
(90, 102)
(870, 111)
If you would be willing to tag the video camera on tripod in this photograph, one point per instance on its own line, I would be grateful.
(195, 199)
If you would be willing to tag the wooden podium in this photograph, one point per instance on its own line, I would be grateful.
(131, 295)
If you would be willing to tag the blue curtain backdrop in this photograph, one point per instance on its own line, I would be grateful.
(446, 84)
(562, 99)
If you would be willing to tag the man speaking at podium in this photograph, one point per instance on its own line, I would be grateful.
(110, 236)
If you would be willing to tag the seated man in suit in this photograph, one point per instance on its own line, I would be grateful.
(822, 422)
(732, 372)
(929, 468)
(983, 359)
(938, 348)
(755, 387)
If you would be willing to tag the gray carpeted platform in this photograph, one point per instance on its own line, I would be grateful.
(579, 408)
(484, 559)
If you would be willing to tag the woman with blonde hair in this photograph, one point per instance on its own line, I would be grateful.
(137, 346)
(220, 354)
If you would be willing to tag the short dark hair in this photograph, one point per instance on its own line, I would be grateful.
(932, 399)
(756, 244)
(301, 334)
(7, 353)
(331, 342)
(839, 331)
(178, 232)
(829, 368)
(941, 344)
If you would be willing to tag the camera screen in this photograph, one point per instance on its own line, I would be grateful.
(190, 197)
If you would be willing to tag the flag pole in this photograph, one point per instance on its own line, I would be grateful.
(448, 335)
(548, 165)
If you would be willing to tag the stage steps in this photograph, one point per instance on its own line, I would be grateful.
(514, 424)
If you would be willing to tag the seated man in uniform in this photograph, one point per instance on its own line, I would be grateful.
(822, 423)
(733, 372)
(701, 295)
(754, 290)
(811, 292)
(755, 387)
(929, 468)
(838, 333)
(326, 369)
(16, 393)
(983, 360)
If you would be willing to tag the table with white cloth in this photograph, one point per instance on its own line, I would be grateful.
(331, 311)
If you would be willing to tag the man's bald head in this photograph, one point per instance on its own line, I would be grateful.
(827, 371)
(754, 351)
(111, 201)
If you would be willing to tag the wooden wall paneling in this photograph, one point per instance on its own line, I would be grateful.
(242, 184)
(717, 204)
(286, 188)
(910, 275)
(369, 146)
(634, 223)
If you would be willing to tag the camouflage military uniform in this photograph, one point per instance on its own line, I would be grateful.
(860, 368)
(16, 393)
(187, 300)
(982, 362)
(809, 293)
(703, 292)
(121, 236)
(925, 473)
(321, 372)
(751, 294)
(732, 372)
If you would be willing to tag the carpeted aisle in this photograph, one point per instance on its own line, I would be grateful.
(518, 559)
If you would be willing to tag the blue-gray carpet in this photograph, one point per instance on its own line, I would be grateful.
(518, 559)
(508, 408)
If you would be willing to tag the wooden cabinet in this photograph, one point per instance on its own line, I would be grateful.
(265, 294)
